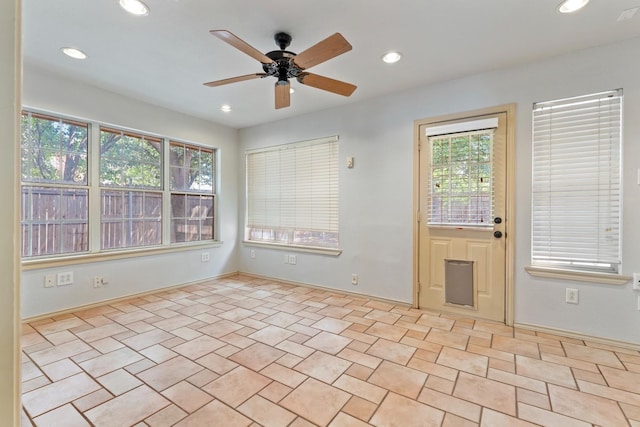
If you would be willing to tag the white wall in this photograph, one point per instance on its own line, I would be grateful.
(53, 93)
(376, 202)
(9, 295)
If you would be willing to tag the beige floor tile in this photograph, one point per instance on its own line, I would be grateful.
(448, 339)
(218, 364)
(389, 332)
(109, 362)
(389, 350)
(330, 324)
(168, 373)
(516, 346)
(147, 339)
(533, 399)
(236, 386)
(359, 371)
(158, 353)
(463, 361)
(547, 418)
(127, 409)
(64, 416)
(295, 348)
(187, 397)
(198, 347)
(57, 394)
(572, 363)
(59, 352)
(383, 316)
(92, 400)
(439, 384)
(517, 380)
(360, 388)
(166, 417)
(592, 409)
(266, 413)
(496, 419)
(218, 411)
(360, 408)
(345, 420)
(101, 332)
(446, 403)
(275, 391)
(62, 325)
(257, 356)
(435, 322)
(398, 379)
(316, 401)
(361, 358)
(488, 393)
(61, 369)
(174, 322)
(397, 410)
(609, 393)
(118, 382)
(284, 375)
(282, 319)
(328, 342)
(322, 366)
(594, 355)
(220, 328)
(620, 379)
(545, 371)
(271, 335)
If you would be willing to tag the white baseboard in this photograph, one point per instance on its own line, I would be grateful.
(122, 298)
(578, 336)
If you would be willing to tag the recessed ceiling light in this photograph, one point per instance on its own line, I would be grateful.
(73, 53)
(226, 108)
(135, 7)
(391, 57)
(570, 6)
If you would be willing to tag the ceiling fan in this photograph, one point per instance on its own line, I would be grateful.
(285, 65)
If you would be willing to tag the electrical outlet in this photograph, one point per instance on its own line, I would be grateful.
(98, 281)
(571, 296)
(65, 278)
(354, 279)
(293, 259)
(252, 253)
(636, 281)
(49, 280)
(204, 257)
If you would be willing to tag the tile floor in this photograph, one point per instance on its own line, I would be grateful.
(246, 352)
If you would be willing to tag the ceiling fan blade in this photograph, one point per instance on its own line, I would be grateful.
(325, 83)
(328, 48)
(241, 45)
(283, 97)
(234, 79)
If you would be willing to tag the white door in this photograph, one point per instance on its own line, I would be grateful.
(462, 205)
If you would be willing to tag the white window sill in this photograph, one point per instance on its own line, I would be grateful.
(295, 248)
(581, 276)
(86, 258)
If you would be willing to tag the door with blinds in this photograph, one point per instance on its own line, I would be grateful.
(461, 220)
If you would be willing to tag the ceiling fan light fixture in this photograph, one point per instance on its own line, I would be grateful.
(226, 108)
(135, 7)
(391, 57)
(74, 53)
(570, 6)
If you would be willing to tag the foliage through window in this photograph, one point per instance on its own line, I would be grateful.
(129, 186)
(292, 194)
(55, 207)
(576, 182)
(192, 187)
(461, 179)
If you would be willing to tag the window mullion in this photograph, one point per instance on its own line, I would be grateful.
(166, 193)
(94, 188)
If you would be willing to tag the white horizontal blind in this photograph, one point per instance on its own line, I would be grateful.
(292, 193)
(576, 186)
(461, 179)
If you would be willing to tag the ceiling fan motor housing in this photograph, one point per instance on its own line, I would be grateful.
(282, 66)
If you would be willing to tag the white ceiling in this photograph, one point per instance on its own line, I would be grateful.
(165, 57)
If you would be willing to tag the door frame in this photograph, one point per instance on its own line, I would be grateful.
(510, 110)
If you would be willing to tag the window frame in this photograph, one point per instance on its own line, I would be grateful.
(596, 270)
(94, 188)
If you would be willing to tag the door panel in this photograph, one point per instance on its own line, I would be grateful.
(468, 242)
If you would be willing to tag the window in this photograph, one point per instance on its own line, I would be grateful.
(292, 194)
(55, 208)
(130, 196)
(70, 208)
(461, 175)
(192, 188)
(576, 183)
